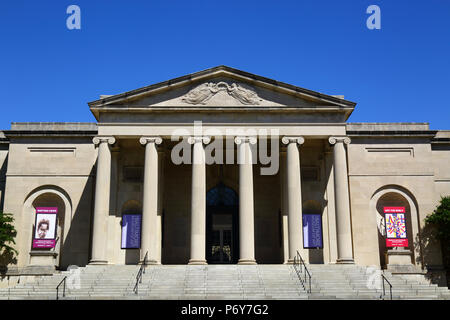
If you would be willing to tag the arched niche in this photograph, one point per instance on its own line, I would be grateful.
(49, 196)
(396, 196)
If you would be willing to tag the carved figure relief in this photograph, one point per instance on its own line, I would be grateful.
(205, 91)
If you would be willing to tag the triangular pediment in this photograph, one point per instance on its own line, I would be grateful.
(220, 88)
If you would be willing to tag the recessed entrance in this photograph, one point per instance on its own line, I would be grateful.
(222, 225)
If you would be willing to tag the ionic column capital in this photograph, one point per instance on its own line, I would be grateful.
(297, 140)
(202, 139)
(145, 140)
(101, 139)
(239, 140)
(343, 139)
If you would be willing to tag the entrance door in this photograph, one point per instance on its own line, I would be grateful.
(221, 246)
(222, 226)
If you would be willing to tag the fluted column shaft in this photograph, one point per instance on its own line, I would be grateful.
(101, 202)
(149, 240)
(198, 201)
(342, 200)
(246, 204)
(294, 192)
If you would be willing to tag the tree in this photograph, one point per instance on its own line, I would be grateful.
(7, 235)
(440, 220)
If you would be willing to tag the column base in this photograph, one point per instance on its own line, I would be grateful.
(197, 262)
(98, 262)
(247, 261)
(149, 262)
(290, 261)
(345, 261)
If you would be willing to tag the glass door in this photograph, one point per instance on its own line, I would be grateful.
(221, 246)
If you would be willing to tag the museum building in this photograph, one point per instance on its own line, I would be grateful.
(223, 166)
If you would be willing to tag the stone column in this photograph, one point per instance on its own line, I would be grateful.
(159, 225)
(114, 233)
(101, 202)
(294, 194)
(342, 200)
(331, 204)
(246, 205)
(284, 207)
(150, 201)
(198, 201)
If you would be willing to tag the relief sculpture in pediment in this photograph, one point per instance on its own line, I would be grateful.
(205, 91)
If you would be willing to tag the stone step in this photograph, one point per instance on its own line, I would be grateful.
(225, 282)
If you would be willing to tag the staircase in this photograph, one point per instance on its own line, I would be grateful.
(229, 282)
(359, 282)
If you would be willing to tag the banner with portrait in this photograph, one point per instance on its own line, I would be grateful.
(45, 228)
(395, 222)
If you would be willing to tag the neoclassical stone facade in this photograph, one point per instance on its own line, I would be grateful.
(189, 155)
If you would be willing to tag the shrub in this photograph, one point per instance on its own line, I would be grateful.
(7, 235)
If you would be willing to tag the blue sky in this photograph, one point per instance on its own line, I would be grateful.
(400, 73)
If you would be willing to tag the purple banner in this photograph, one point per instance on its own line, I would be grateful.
(312, 231)
(131, 231)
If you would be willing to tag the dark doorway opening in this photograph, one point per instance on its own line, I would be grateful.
(222, 225)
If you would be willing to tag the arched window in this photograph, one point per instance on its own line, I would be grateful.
(221, 195)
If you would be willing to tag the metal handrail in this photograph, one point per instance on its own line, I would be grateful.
(140, 273)
(302, 272)
(63, 281)
(390, 286)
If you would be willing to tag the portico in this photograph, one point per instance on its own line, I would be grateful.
(223, 119)
(152, 195)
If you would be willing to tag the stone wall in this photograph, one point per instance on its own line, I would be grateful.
(45, 166)
(397, 159)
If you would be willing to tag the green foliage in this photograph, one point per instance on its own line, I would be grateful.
(440, 218)
(7, 235)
